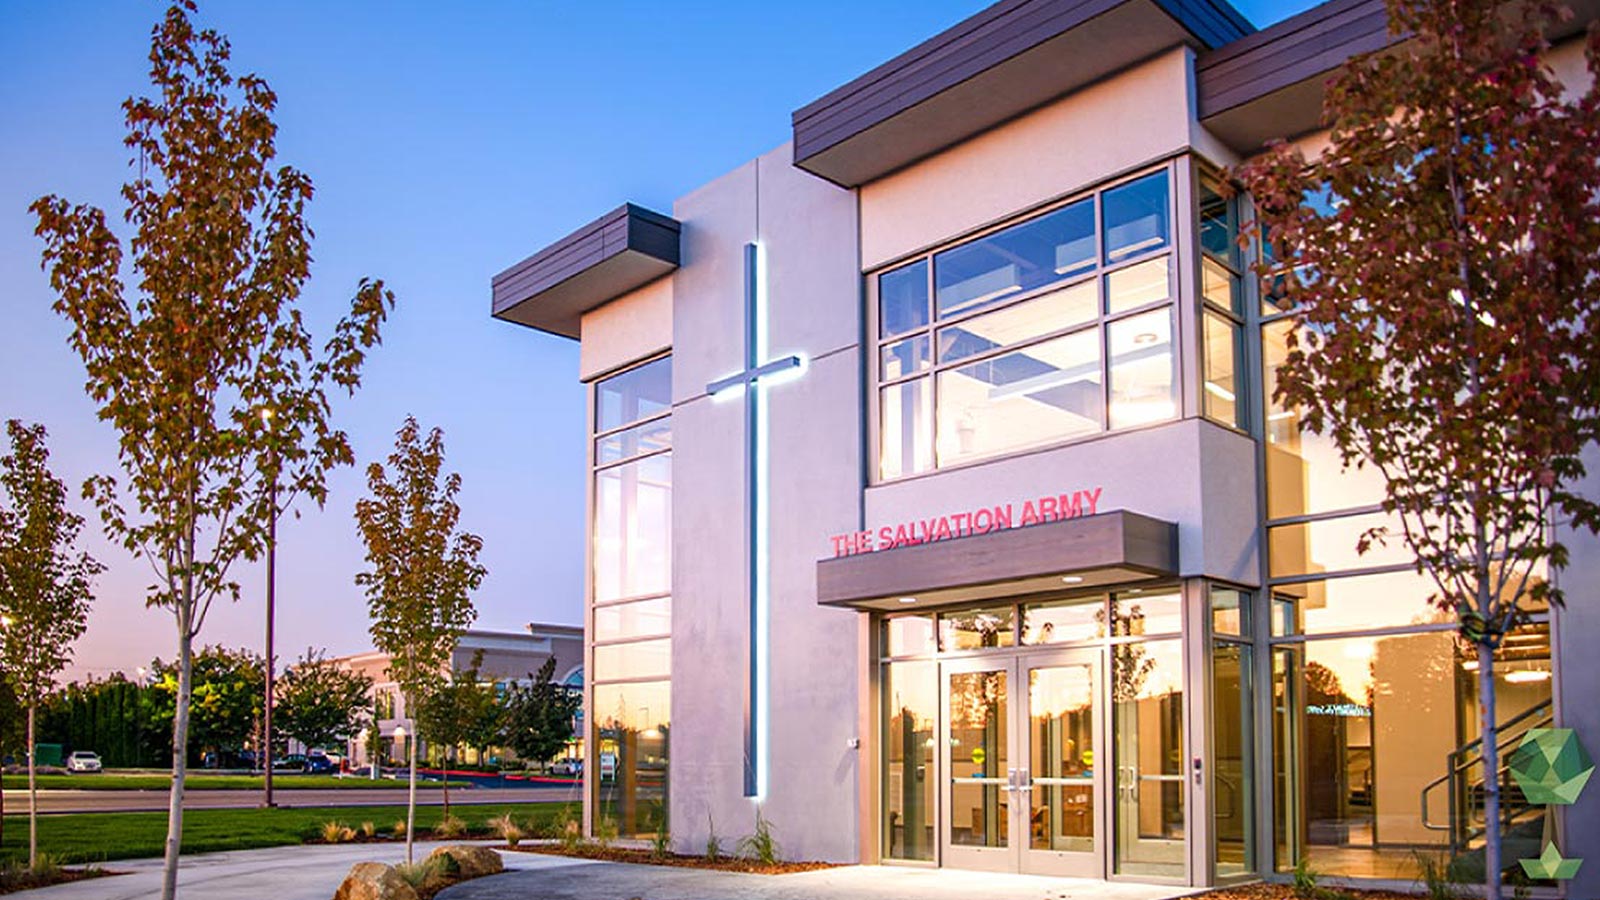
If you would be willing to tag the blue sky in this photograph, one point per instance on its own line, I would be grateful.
(446, 142)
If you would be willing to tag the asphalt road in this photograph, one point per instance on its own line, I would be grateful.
(139, 801)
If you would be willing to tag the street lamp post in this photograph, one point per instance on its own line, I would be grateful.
(272, 554)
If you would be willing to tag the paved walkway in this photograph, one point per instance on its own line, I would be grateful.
(312, 873)
(557, 878)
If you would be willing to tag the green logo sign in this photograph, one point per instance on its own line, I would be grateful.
(1550, 767)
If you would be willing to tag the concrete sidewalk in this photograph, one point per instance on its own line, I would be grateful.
(275, 873)
(557, 878)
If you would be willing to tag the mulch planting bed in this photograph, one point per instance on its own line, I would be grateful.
(646, 857)
(11, 882)
(1262, 891)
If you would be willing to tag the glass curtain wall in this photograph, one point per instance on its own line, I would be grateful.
(631, 610)
(1057, 327)
(1373, 700)
(1232, 732)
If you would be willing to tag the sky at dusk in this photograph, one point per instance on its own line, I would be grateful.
(446, 142)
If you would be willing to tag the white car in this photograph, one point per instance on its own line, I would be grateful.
(83, 761)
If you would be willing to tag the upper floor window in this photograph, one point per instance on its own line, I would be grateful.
(1222, 307)
(1049, 329)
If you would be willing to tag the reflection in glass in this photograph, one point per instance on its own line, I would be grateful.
(1356, 603)
(1219, 223)
(639, 659)
(641, 618)
(1305, 473)
(910, 708)
(1230, 611)
(1018, 323)
(1045, 392)
(1366, 725)
(903, 299)
(905, 357)
(1032, 254)
(1232, 773)
(1224, 347)
(905, 429)
(909, 636)
(1136, 612)
(1147, 742)
(636, 441)
(633, 529)
(975, 629)
(630, 735)
(1138, 285)
(633, 395)
(978, 761)
(1330, 545)
(1220, 287)
(1064, 621)
(1140, 349)
(1061, 758)
(1136, 217)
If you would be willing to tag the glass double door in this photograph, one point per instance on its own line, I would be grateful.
(1023, 790)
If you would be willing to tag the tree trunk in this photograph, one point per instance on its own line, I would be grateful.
(411, 790)
(33, 795)
(449, 752)
(1491, 773)
(180, 760)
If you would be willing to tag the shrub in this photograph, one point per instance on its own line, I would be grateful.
(569, 831)
(713, 841)
(661, 843)
(450, 827)
(418, 873)
(337, 833)
(1306, 887)
(761, 846)
(369, 830)
(508, 829)
(399, 828)
(605, 831)
(1435, 876)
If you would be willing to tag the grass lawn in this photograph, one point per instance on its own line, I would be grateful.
(96, 837)
(117, 781)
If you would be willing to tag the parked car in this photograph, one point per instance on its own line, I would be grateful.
(567, 767)
(294, 762)
(319, 764)
(83, 761)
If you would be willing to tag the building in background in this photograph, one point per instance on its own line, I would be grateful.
(939, 510)
(505, 657)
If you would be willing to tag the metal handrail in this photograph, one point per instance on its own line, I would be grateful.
(1462, 759)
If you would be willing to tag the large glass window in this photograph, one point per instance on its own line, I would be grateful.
(1043, 331)
(1222, 302)
(910, 712)
(631, 614)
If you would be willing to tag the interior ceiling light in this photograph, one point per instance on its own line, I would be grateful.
(908, 599)
(1072, 579)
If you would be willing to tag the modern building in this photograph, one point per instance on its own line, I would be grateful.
(939, 511)
(502, 657)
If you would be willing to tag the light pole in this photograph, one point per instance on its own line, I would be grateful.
(272, 559)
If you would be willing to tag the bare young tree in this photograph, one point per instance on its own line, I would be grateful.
(45, 587)
(1449, 325)
(423, 572)
(209, 337)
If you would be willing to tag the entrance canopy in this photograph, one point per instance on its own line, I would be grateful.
(1110, 548)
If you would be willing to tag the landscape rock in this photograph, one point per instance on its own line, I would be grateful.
(470, 861)
(374, 881)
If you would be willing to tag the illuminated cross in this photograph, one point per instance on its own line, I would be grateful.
(758, 375)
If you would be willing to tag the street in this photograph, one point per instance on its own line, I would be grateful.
(16, 802)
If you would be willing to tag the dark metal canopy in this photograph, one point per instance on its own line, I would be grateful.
(624, 249)
(1010, 58)
(1109, 548)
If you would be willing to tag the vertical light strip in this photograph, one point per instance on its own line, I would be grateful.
(762, 601)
